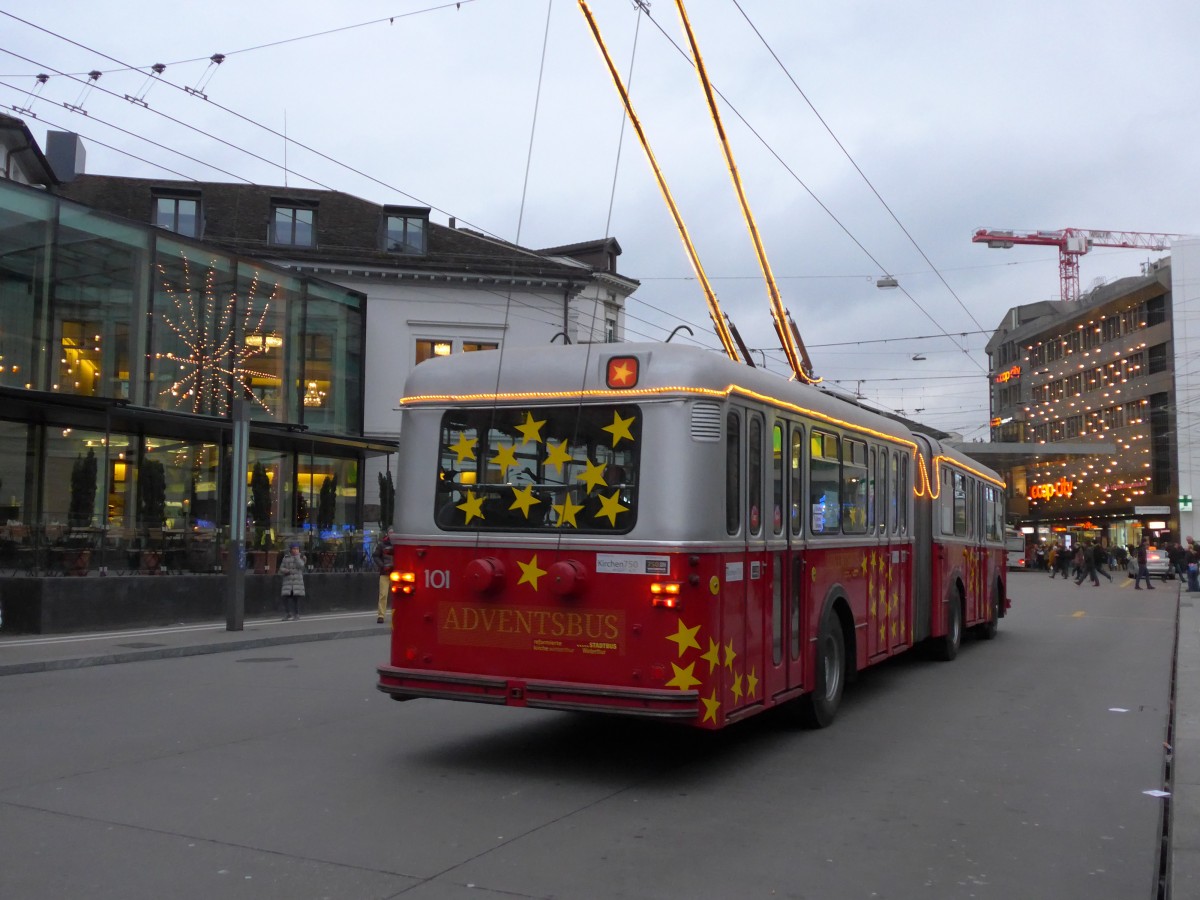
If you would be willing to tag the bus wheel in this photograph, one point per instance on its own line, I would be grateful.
(988, 629)
(817, 710)
(946, 647)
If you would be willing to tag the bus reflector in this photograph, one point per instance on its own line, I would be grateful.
(665, 593)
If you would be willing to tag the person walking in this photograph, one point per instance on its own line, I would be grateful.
(1062, 562)
(383, 561)
(1086, 564)
(292, 569)
(1142, 571)
(1193, 566)
(1099, 561)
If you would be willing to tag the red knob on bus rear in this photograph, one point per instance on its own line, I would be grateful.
(567, 577)
(485, 575)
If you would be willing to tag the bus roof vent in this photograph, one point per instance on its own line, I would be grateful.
(706, 421)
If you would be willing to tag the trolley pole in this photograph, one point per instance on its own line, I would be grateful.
(235, 559)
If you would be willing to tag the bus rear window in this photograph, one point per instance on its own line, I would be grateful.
(539, 468)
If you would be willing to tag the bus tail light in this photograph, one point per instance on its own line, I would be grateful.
(403, 582)
(665, 594)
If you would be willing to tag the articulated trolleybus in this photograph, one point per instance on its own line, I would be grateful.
(658, 531)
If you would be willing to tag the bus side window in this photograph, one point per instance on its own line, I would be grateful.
(733, 473)
(905, 495)
(823, 479)
(777, 478)
(754, 475)
(894, 498)
(797, 479)
(871, 492)
(882, 478)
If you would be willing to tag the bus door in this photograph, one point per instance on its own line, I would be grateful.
(779, 668)
(878, 552)
(748, 663)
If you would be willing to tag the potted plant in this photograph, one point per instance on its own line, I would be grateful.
(329, 545)
(77, 552)
(387, 500)
(264, 552)
(152, 509)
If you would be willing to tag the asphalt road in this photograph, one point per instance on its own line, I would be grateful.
(1016, 771)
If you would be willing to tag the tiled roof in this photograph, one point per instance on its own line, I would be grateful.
(349, 229)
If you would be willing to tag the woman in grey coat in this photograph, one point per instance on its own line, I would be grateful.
(291, 567)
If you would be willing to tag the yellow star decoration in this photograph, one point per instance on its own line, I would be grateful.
(505, 458)
(684, 679)
(531, 430)
(473, 507)
(619, 428)
(559, 454)
(523, 499)
(730, 656)
(566, 511)
(736, 687)
(464, 447)
(685, 637)
(864, 564)
(610, 507)
(593, 475)
(530, 573)
(713, 656)
(751, 684)
(711, 705)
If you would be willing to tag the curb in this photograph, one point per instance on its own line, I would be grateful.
(84, 662)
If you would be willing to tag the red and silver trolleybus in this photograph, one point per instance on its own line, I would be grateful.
(658, 531)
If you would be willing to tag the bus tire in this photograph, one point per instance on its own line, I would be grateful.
(818, 709)
(945, 648)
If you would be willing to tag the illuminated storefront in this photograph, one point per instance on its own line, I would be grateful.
(121, 348)
(1094, 376)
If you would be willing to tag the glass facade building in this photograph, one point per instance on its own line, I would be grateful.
(122, 349)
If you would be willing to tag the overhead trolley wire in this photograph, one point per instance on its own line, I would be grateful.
(766, 144)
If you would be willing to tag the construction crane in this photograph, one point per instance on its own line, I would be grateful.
(1073, 243)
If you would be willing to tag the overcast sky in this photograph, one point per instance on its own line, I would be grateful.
(1025, 115)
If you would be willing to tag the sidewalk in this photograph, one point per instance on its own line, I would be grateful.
(1184, 869)
(20, 654)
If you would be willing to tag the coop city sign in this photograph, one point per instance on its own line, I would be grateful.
(1060, 488)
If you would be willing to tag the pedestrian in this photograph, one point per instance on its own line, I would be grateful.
(1085, 563)
(1099, 561)
(1142, 571)
(382, 555)
(1193, 566)
(1052, 560)
(1062, 563)
(292, 569)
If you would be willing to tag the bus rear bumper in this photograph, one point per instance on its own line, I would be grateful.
(407, 684)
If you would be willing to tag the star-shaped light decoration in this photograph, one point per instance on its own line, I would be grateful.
(213, 364)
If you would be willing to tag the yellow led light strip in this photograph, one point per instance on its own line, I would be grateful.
(714, 308)
(797, 356)
(924, 486)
